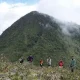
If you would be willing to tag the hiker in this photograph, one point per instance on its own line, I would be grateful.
(41, 62)
(61, 63)
(30, 58)
(72, 64)
(49, 61)
(21, 60)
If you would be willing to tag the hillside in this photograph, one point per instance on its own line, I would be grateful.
(41, 36)
(16, 71)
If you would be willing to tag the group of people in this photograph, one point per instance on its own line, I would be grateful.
(61, 63)
(49, 61)
(30, 59)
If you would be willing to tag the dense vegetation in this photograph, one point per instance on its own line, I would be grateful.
(40, 35)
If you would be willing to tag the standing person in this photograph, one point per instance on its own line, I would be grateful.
(72, 64)
(61, 63)
(21, 60)
(49, 61)
(41, 62)
(30, 58)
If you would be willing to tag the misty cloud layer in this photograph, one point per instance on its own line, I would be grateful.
(65, 10)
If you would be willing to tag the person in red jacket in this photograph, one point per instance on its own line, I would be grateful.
(41, 62)
(61, 63)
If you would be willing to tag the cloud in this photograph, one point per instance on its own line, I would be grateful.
(65, 10)
(9, 13)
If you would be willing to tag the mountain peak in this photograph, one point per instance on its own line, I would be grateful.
(39, 14)
(40, 35)
(34, 12)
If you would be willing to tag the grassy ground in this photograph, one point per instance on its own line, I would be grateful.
(27, 71)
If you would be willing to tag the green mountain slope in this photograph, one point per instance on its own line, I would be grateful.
(40, 35)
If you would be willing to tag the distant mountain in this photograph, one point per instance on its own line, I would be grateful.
(40, 35)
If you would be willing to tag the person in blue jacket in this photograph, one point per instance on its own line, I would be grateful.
(72, 64)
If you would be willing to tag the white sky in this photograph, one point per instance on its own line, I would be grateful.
(65, 10)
